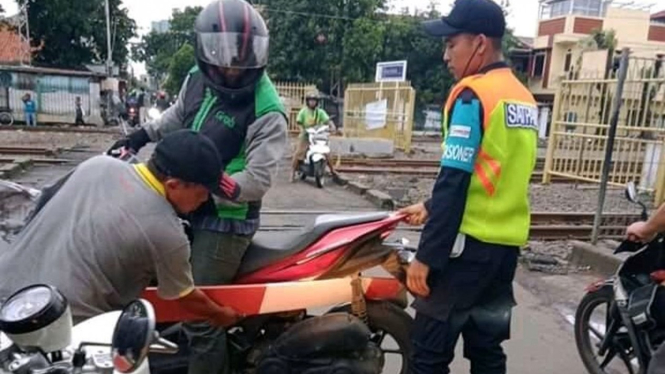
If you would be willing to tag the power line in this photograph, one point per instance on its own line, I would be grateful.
(308, 14)
(330, 16)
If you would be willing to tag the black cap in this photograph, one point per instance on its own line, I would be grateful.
(189, 156)
(470, 17)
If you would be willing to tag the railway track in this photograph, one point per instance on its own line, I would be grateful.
(65, 129)
(429, 172)
(545, 226)
(15, 160)
(426, 168)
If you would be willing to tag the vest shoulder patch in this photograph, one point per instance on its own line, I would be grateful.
(520, 115)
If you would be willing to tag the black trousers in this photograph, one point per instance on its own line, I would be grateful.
(657, 364)
(483, 329)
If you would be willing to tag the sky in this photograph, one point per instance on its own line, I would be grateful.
(523, 18)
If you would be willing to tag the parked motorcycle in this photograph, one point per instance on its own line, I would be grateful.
(318, 151)
(631, 324)
(37, 337)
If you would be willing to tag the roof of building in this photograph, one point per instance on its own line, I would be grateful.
(52, 71)
(658, 15)
(526, 41)
(12, 51)
(11, 48)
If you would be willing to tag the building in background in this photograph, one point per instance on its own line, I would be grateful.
(161, 26)
(12, 48)
(563, 24)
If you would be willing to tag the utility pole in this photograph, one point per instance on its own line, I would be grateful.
(109, 63)
(109, 58)
(24, 35)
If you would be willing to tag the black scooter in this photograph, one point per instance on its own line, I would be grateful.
(632, 304)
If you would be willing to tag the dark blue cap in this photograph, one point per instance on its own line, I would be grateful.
(189, 156)
(470, 17)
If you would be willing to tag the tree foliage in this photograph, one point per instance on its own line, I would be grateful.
(329, 43)
(357, 35)
(180, 66)
(72, 33)
(157, 50)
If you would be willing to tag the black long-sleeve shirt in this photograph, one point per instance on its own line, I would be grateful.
(446, 206)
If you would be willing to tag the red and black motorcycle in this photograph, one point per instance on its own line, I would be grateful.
(361, 326)
(281, 281)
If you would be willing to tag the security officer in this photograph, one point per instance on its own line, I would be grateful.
(478, 215)
(229, 98)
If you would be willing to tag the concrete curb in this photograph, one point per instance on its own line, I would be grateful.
(341, 181)
(380, 199)
(19, 165)
(599, 259)
(10, 170)
(357, 188)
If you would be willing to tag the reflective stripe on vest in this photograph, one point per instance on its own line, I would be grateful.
(497, 208)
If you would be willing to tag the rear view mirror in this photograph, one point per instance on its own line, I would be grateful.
(133, 334)
(631, 192)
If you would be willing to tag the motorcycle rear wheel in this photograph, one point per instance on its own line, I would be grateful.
(387, 319)
(588, 347)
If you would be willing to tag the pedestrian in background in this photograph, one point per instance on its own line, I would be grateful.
(478, 216)
(79, 113)
(30, 109)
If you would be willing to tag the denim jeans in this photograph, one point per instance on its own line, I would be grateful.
(215, 260)
(30, 119)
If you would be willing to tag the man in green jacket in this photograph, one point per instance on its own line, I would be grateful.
(229, 98)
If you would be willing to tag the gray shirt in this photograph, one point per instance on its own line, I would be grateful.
(100, 240)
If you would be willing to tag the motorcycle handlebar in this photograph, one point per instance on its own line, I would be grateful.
(628, 246)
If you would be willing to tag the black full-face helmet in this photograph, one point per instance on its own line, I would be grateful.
(231, 45)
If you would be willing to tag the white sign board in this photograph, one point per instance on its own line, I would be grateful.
(393, 71)
(375, 114)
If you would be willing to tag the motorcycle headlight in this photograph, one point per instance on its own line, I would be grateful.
(154, 113)
(37, 317)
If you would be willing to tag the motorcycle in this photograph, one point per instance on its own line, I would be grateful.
(37, 336)
(133, 116)
(154, 113)
(315, 161)
(631, 327)
(280, 282)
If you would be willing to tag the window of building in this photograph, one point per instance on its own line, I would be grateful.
(560, 8)
(590, 8)
(569, 61)
(539, 65)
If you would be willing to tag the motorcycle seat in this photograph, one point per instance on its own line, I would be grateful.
(267, 248)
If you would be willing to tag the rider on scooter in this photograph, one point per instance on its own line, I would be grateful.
(645, 232)
(310, 116)
(161, 103)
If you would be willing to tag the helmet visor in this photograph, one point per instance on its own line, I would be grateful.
(233, 50)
